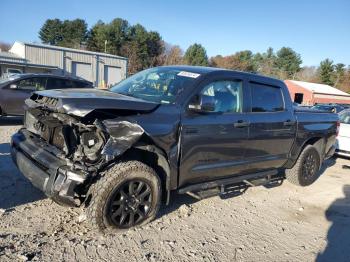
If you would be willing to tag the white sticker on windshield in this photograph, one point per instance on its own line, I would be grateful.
(188, 74)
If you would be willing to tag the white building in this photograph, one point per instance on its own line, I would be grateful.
(100, 68)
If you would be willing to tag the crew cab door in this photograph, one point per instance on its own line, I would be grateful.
(213, 143)
(272, 128)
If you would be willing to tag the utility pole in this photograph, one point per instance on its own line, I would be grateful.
(105, 46)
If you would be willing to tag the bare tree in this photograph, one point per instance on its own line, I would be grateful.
(4, 46)
(308, 74)
(174, 56)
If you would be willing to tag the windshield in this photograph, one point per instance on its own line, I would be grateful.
(345, 117)
(161, 85)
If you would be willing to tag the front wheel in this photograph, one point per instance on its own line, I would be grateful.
(126, 195)
(306, 169)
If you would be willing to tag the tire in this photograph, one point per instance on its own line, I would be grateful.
(306, 169)
(131, 190)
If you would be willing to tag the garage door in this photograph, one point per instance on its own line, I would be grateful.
(112, 75)
(82, 70)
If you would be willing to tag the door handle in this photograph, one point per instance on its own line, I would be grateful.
(289, 123)
(240, 124)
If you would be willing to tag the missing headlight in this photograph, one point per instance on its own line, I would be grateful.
(91, 144)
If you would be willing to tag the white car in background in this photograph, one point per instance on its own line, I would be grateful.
(343, 139)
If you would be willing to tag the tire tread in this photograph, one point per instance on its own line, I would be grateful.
(106, 183)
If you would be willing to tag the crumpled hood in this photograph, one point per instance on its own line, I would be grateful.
(80, 102)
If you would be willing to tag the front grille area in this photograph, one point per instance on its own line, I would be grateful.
(50, 101)
(51, 130)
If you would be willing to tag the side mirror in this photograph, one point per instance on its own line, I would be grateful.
(13, 86)
(202, 103)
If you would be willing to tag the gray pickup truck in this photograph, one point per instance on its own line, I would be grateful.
(195, 130)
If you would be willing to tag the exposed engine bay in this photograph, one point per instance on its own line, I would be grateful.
(70, 137)
(85, 144)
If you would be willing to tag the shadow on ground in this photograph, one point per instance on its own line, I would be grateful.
(326, 164)
(177, 200)
(15, 189)
(338, 237)
(11, 120)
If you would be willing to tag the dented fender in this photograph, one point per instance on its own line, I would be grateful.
(123, 134)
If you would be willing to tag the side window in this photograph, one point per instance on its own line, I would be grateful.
(68, 84)
(266, 98)
(78, 84)
(228, 95)
(35, 83)
(52, 83)
(57, 83)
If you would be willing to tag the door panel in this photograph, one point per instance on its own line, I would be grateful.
(272, 129)
(213, 144)
(212, 147)
(269, 140)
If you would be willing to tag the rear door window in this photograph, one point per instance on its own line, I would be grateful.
(266, 98)
(80, 84)
(58, 83)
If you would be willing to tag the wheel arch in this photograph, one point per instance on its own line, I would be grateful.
(154, 157)
(317, 141)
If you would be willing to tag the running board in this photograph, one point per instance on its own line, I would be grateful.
(219, 187)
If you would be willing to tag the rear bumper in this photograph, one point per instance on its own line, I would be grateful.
(46, 171)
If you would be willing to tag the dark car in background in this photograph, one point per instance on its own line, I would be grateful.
(17, 87)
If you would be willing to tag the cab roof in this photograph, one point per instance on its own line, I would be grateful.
(203, 70)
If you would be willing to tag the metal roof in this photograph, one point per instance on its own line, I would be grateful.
(8, 55)
(320, 88)
(71, 50)
(194, 69)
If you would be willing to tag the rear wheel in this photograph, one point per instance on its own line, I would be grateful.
(127, 195)
(306, 169)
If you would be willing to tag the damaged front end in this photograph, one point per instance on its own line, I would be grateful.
(61, 154)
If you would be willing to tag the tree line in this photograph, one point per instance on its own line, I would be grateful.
(145, 49)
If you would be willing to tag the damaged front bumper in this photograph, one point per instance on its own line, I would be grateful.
(51, 174)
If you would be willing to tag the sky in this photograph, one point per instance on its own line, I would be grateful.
(316, 29)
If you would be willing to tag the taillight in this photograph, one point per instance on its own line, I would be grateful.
(338, 126)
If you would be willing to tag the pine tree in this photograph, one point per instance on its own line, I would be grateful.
(326, 71)
(51, 32)
(196, 55)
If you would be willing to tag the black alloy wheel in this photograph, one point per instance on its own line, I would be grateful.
(130, 203)
(310, 165)
(306, 169)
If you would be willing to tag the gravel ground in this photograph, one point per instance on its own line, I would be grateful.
(284, 223)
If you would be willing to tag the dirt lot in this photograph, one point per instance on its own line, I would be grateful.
(284, 223)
